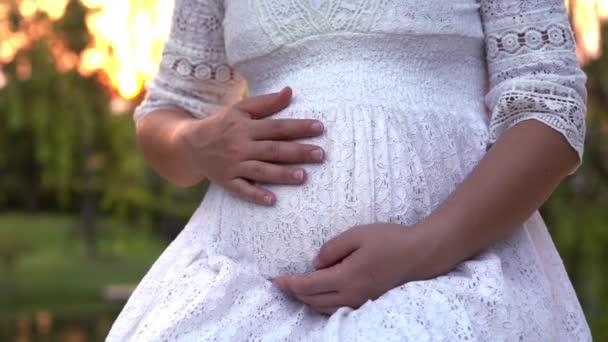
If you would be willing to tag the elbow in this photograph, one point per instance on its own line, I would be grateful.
(566, 149)
(183, 183)
(154, 141)
(174, 177)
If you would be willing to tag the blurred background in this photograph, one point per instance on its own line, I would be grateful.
(82, 217)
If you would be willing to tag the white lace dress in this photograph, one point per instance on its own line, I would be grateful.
(404, 88)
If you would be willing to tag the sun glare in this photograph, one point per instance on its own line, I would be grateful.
(128, 36)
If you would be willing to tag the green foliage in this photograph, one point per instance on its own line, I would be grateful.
(60, 142)
(579, 231)
(54, 274)
(577, 213)
(12, 247)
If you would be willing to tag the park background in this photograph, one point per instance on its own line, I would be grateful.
(82, 217)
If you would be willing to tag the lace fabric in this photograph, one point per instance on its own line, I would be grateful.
(314, 17)
(526, 41)
(404, 103)
(534, 71)
(194, 74)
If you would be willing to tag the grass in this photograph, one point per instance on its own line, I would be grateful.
(53, 273)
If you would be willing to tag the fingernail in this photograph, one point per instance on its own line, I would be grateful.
(268, 199)
(317, 154)
(298, 175)
(317, 127)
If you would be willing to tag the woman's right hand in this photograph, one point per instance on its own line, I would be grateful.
(234, 147)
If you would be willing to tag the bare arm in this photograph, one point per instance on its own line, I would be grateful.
(193, 124)
(231, 147)
(537, 97)
(158, 139)
(514, 179)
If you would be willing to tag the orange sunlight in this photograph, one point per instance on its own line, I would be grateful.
(128, 36)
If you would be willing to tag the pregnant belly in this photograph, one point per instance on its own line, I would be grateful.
(382, 165)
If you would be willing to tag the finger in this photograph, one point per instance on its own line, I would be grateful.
(270, 173)
(325, 280)
(285, 152)
(329, 310)
(264, 105)
(286, 129)
(323, 299)
(336, 249)
(250, 192)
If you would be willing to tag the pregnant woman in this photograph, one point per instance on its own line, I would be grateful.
(381, 182)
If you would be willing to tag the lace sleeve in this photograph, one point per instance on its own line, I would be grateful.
(534, 72)
(193, 74)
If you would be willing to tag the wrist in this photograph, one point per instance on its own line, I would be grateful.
(184, 141)
(438, 245)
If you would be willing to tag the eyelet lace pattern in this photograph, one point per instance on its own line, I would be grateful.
(534, 72)
(403, 89)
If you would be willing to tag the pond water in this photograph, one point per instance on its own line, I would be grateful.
(45, 327)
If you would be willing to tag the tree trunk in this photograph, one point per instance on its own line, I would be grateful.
(88, 222)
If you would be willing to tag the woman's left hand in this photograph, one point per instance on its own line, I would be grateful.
(361, 264)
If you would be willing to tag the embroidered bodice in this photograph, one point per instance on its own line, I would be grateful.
(528, 47)
(411, 94)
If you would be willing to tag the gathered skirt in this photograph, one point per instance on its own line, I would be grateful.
(383, 164)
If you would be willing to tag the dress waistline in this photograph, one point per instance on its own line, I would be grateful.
(374, 69)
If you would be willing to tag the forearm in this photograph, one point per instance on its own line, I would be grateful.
(158, 137)
(515, 177)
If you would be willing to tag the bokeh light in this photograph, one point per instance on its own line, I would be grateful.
(128, 36)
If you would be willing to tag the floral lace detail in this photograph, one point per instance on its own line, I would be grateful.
(534, 72)
(200, 70)
(560, 108)
(194, 74)
(512, 42)
(401, 92)
(287, 21)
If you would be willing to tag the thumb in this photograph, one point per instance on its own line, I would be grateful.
(336, 249)
(264, 105)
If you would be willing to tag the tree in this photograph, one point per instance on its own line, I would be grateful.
(62, 147)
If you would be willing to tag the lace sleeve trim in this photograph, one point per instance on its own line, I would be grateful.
(199, 70)
(534, 73)
(194, 73)
(540, 38)
(559, 107)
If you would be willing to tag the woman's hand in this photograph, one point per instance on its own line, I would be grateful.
(366, 261)
(361, 264)
(234, 147)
